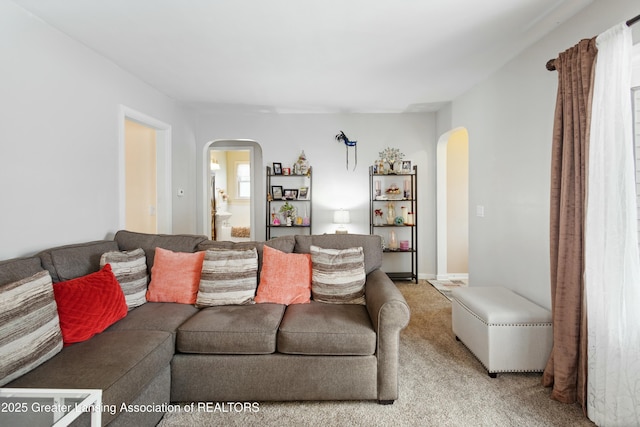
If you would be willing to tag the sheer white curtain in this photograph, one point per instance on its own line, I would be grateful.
(612, 262)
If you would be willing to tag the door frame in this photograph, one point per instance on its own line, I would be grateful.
(255, 158)
(164, 216)
(442, 272)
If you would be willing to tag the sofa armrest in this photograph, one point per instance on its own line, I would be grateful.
(389, 314)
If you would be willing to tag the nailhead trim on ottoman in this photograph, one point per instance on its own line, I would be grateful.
(505, 331)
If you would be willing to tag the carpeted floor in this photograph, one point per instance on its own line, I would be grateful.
(441, 384)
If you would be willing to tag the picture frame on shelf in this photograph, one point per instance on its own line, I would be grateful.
(303, 193)
(276, 191)
(291, 194)
(406, 166)
(277, 168)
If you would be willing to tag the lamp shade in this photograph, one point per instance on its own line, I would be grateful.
(341, 217)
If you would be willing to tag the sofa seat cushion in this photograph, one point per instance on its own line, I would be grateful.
(231, 329)
(155, 316)
(326, 329)
(121, 363)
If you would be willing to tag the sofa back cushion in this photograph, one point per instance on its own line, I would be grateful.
(16, 269)
(370, 244)
(129, 240)
(77, 260)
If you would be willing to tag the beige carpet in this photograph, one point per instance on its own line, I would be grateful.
(441, 384)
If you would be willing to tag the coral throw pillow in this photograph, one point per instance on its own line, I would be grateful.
(175, 276)
(89, 304)
(284, 278)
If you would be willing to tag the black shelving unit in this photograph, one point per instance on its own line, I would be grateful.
(288, 182)
(404, 232)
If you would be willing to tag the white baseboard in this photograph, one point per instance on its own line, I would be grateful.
(447, 276)
(452, 276)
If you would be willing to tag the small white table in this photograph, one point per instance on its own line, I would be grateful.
(50, 407)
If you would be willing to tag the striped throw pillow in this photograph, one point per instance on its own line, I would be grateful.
(130, 269)
(29, 326)
(228, 277)
(337, 275)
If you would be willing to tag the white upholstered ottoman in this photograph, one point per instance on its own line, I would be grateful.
(506, 332)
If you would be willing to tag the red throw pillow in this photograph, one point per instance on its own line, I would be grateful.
(175, 276)
(88, 305)
(284, 278)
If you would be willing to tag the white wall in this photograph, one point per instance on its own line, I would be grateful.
(283, 136)
(59, 138)
(510, 120)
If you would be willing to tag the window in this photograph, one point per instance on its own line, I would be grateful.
(243, 179)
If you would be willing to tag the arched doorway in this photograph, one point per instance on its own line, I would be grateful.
(256, 207)
(452, 199)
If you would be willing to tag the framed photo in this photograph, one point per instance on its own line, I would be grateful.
(406, 166)
(303, 193)
(277, 168)
(276, 191)
(291, 194)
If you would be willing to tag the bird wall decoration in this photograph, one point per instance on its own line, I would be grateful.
(341, 137)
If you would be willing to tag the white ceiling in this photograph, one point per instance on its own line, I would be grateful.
(308, 55)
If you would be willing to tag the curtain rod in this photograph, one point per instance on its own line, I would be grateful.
(551, 64)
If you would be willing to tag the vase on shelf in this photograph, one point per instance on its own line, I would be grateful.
(393, 242)
(391, 214)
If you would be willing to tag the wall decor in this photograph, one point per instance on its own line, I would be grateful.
(277, 168)
(303, 193)
(406, 166)
(276, 190)
(291, 194)
(343, 138)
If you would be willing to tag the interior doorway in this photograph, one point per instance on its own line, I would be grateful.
(140, 178)
(232, 190)
(452, 197)
(157, 173)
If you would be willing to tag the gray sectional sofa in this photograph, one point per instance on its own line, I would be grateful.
(169, 352)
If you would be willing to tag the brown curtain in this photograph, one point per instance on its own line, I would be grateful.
(566, 370)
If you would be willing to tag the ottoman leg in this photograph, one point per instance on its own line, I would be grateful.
(492, 375)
